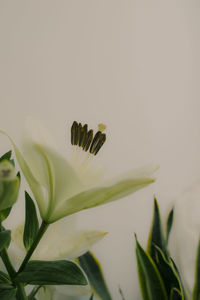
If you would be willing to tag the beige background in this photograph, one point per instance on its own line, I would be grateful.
(133, 65)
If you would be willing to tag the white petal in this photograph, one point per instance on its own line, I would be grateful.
(69, 246)
(62, 176)
(39, 191)
(73, 290)
(51, 169)
(46, 293)
(145, 171)
(52, 236)
(36, 133)
(99, 196)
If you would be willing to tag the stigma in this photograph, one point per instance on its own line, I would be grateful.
(85, 138)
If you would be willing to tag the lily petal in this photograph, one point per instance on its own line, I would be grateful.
(46, 293)
(73, 290)
(58, 242)
(64, 182)
(99, 196)
(145, 171)
(71, 246)
(38, 190)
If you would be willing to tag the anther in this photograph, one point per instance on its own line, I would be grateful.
(74, 133)
(88, 140)
(97, 143)
(83, 138)
(83, 135)
(100, 143)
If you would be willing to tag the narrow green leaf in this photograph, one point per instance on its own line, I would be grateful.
(151, 283)
(175, 294)
(167, 272)
(7, 294)
(6, 286)
(183, 292)
(196, 290)
(91, 297)
(31, 222)
(156, 236)
(5, 238)
(58, 272)
(6, 156)
(169, 224)
(4, 278)
(92, 268)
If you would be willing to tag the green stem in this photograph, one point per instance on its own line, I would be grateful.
(40, 233)
(6, 260)
(34, 292)
(21, 295)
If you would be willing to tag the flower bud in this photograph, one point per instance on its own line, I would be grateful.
(9, 185)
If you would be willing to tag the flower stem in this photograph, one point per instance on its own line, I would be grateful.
(21, 295)
(6, 260)
(40, 233)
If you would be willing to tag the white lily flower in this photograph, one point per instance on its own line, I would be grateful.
(61, 241)
(55, 183)
(186, 234)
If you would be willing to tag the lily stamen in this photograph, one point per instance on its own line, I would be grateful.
(83, 138)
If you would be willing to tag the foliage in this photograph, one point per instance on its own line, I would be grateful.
(158, 274)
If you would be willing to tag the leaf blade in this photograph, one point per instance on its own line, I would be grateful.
(60, 272)
(31, 222)
(169, 224)
(92, 268)
(156, 236)
(151, 283)
(5, 238)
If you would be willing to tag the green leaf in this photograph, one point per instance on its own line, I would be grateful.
(180, 280)
(156, 236)
(151, 283)
(31, 222)
(4, 278)
(6, 156)
(167, 271)
(6, 286)
(169, 225)
(196, 290)
(7, 294)
(175, 294)
(58, 272)
(91, 297)
(4, 214)
(5, 238)
(92, 268)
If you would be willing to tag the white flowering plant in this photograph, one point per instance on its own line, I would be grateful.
(44, 253)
